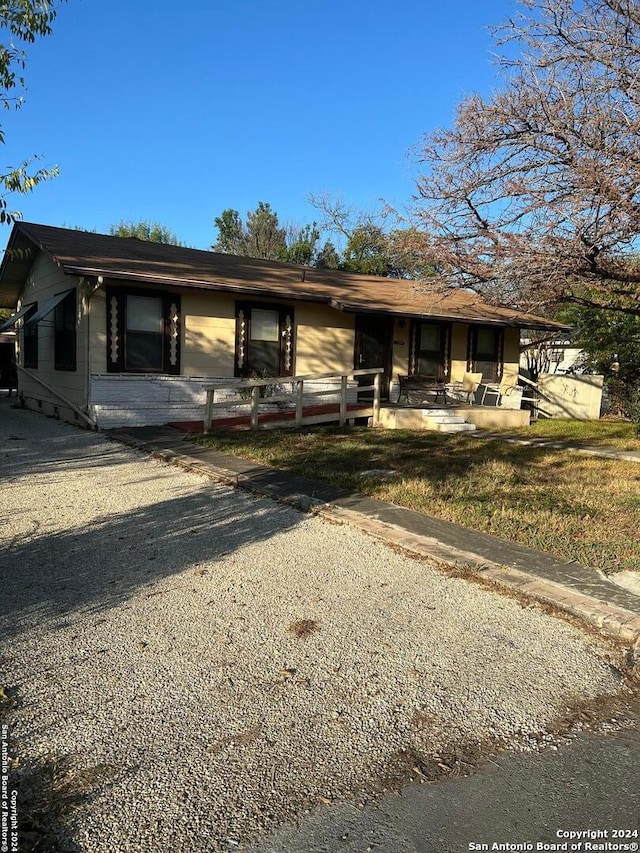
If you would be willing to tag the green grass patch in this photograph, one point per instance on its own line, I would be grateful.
(614, 432)
(574, 506)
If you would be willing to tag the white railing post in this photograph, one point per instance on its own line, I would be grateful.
(251, 388)
(208, 410)
(343, 399)
(255, 403)
(299, 401)
(376, 399)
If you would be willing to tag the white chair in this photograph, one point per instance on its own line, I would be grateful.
(465, 391)
(507, 395)
(470, 384)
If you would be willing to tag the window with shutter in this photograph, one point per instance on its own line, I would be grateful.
(143, 331)
(264, 340)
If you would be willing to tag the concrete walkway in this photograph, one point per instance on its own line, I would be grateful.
(557, 444)
(569, 587)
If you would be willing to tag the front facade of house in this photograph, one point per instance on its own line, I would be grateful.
(115, 332)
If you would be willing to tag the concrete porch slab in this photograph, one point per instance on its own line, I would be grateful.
(395, 416)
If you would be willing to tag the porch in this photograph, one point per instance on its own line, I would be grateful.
(449, 416)
(293, 405)
(279, 402)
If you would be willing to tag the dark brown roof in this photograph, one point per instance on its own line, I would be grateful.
(87, 254)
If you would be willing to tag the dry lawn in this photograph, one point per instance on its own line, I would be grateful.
(574, 506)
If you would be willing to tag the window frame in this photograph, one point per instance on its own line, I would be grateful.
(242, 366)
(30, 340)
(117, 331)
(496, 356)
(65, 334)
(444, 354)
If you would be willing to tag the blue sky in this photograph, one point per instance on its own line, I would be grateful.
(175, 111)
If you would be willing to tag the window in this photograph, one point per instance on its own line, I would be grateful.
(264, 340)
(143, 331)
(430, 350)
(30, 340)
(485, 355)
(144, 335)
(64, 331)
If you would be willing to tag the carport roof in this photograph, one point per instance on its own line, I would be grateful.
(91, 255)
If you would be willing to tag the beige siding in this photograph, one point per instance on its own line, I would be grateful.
(45, 281)
(577, 397)
(98, 332)
(511, 357)
(400, 361)
(208, 334)
(324, 339)
(401, 330)
(459, 347)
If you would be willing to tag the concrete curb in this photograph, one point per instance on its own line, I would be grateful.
(614, 622)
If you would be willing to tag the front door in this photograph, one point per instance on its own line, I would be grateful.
(374, 341)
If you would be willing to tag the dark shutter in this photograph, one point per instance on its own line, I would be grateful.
(115, 330)
(446, 353)
(64, 324)
(172, 334)
(287, 342)
(413, 347)
(30, 340)
(471, 347)
(241, 354)
(500, 353)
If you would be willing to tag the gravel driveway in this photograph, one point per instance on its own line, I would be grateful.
(216, 663)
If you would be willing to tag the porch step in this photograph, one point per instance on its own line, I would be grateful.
(439, 413)
(442, 420)
(463, 427)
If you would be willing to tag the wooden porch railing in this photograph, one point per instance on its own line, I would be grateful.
(532, 396)
(251, 387)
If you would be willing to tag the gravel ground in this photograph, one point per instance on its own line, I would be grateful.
(219, 663)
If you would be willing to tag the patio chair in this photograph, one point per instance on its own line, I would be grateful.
(466, 389)
(506, 395)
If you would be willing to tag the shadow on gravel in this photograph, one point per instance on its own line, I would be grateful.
(104, 563)
(65, 449)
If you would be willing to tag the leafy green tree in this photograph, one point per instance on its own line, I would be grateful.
(23, 21)
(301, 246)
(610, 342)
(231, 233)
(371, 248)
(367, 251)
(265, 238)
(327, 257)
(154, 232)
(261, 236)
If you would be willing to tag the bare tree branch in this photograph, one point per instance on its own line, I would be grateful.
(534, 194)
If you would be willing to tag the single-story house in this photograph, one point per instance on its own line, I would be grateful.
(117, 331)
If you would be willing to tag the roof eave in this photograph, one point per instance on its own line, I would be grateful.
(536, 324)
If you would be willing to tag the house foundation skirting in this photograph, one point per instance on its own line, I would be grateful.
(124, 399)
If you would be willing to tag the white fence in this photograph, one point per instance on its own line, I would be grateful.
(292, 395)
(120, 400)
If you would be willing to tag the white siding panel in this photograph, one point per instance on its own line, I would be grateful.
(146, 399)
(119, 400)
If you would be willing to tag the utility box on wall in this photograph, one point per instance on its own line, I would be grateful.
(570, 396)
